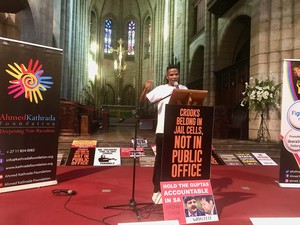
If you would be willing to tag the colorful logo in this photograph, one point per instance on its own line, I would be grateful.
(29, 82)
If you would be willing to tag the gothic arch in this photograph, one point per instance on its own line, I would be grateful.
(109, 95)
(195, 78)
(128, 95)
(235, 38)
(232, 70)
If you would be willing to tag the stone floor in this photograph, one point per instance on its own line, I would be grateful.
(120, 135)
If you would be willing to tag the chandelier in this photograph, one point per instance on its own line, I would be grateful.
(119, 62)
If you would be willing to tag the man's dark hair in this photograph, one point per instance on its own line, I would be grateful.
(171, 66)
(188, 198)
(207, 198)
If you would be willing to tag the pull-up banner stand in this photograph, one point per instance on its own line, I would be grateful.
(29, 116)
(290, 125)
(186, 160)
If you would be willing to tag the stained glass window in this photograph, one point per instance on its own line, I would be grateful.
(131, 37)
(107, 35)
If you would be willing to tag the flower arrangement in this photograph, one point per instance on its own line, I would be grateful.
(262, 95)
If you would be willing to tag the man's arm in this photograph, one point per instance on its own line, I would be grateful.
(147, 86)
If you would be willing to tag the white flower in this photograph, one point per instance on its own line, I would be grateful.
(265, 94)
(262, 94)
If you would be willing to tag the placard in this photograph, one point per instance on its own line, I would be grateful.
(264, 159)
(247, 159)
(131, 152)
(107, 157)
(185, 200)
(187, 143)
(229, 159)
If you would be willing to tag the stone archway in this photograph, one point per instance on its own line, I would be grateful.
(195, 80)
(231, 74)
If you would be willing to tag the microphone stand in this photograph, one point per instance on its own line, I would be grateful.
(132, 203)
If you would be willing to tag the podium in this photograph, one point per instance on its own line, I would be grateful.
(186, 153)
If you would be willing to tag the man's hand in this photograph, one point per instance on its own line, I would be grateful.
(148, 84)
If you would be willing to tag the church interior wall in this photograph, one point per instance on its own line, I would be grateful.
(66, 25)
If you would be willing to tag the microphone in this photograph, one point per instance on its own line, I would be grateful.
(176, 85)
(63, 192)
(122, 119)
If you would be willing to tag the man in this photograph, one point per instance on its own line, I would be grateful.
(192, 207)
(161, 96)
(208, 205)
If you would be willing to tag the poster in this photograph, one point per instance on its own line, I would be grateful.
(187, 147)
(84, 143)
(290, 125)
(29, 117)
(107, 157)
(81, 156)
(187, 143)
(131, 152)
(189, 201)
(264, 159)
(247, 159)
(229, 159)
(82, 153)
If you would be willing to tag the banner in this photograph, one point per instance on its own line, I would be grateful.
(187, 148)
(187, 143)
(290, 125)
(29, 116)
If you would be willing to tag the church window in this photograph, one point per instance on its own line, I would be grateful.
(107, 35)
(131, 37)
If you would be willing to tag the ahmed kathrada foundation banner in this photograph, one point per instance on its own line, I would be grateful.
(29, 115)
(290, 125)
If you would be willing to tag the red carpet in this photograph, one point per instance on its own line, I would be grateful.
(241, 192)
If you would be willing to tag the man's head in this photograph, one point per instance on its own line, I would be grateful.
(191, 204)
(172, 74)
(207, 203)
